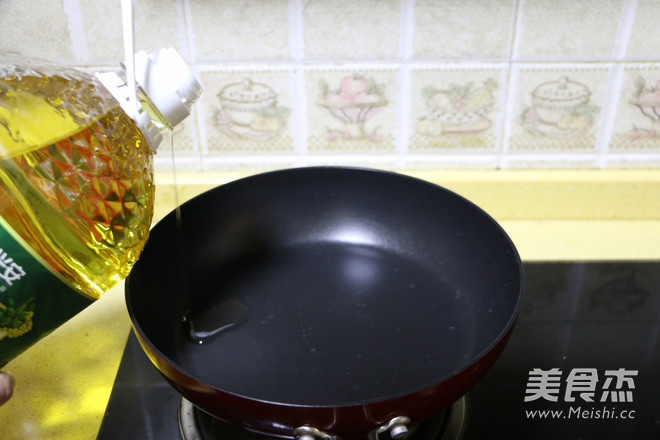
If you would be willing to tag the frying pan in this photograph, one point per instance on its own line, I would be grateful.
(325, 302)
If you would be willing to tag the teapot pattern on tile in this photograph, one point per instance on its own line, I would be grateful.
(559, 109)
(249, 110)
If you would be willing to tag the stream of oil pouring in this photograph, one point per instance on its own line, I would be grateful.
(128, 29)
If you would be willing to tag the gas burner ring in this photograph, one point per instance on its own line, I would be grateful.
(448, 425)
(188, 421)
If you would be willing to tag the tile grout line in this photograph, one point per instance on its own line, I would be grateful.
(402, 111)
(514, 55)
(199, 136)
(298, 95)
(509, 89)
(606, 125)
(624, 30)
(420, 62)
(184, 14)
(616, 77)
(509, 117)
(188, 30)
(460, 160)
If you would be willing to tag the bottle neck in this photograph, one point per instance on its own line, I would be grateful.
(149, 119)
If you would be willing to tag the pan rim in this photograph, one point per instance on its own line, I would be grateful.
(467, 365)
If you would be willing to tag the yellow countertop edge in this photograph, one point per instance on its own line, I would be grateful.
(64, 382)
(516, 194)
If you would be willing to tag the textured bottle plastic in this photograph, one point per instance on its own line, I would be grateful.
(76, 194)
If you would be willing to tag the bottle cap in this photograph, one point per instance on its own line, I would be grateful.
(168, 82)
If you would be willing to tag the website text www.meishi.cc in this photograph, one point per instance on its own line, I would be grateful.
(580, 412)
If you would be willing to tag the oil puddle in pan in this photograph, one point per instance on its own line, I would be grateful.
(209, 323)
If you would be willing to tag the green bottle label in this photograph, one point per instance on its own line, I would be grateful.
(33, 300)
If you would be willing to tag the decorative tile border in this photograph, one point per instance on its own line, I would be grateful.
(397, 83)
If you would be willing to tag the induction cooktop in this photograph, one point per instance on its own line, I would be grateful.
(583, 362)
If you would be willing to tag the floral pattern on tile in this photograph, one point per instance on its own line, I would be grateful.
(637, 124)
(352, 111)
(557, 110)
(247, 112)
(454, 109)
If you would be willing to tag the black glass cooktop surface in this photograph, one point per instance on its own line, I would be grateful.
(583, 362)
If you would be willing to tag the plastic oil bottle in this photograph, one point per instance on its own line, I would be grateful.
(76, 184)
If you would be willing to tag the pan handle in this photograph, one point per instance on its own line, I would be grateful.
(307, 432)
(397, 428)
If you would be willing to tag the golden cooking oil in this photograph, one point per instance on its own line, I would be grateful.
(77, 184)
(76, 176)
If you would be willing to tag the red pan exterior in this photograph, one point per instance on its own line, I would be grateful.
(347, 422)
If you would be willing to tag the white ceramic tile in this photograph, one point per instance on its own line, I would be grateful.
(567, 29)
(240, 29)
(351, 29)
(477, 29)
(644, 41)
(35, 28)
(157, 24)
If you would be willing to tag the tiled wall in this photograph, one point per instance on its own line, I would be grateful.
(388, 83)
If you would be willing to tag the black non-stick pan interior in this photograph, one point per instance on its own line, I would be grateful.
(325, 286)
